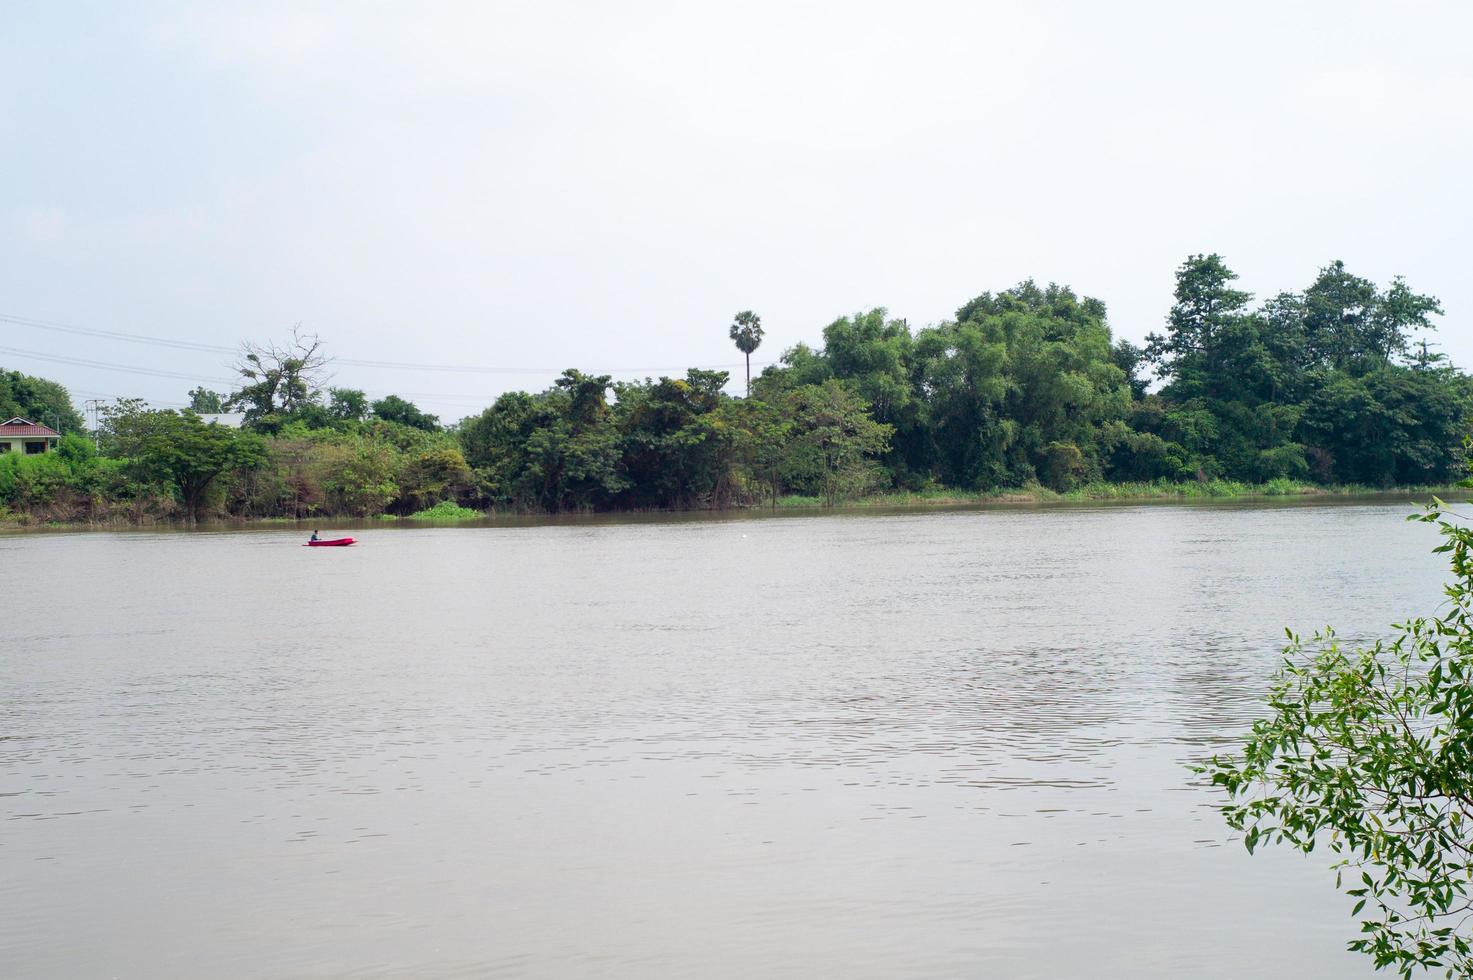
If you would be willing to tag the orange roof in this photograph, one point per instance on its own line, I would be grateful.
(25, 427)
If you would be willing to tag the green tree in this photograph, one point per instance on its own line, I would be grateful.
(32, 483)
(833, 429)
(761, 437)
(574, 463)
(875, 355)
(38, 400)
(557, 450)
(279, 381)
(496, 442)
(1130, 359)
(801, 365)
(181, 452)
(347, 404)
(431, 477)
(1389, 426)
(746, 333)
(1369, 754)
(1205, 305)
(587, 396)
(1132, 455)
(392, 408)
(206, 402)
(1013, 382)
(670, 456)
(962, 366)
(1399, 313)
(1339, 318)
(1232, 374)
(359, 474)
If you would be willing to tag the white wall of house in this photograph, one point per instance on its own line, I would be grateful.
(18, 445)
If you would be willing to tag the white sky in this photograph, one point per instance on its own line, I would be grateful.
(602, 185)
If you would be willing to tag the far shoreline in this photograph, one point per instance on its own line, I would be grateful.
(1091, 496)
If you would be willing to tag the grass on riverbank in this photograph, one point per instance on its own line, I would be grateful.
(448, 512)
(1036, 493)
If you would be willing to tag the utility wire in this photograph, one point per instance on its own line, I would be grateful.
(22, 321)
(125, 368)
(134, 338)
(112, 397)
(134, 369)
(441, 397)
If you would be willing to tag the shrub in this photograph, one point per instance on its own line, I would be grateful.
(1368, 753)
(446, 510)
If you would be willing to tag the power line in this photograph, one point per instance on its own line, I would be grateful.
(105, 396)
(450, 400)
(103, 365)
(133, 338)
(134, 369)
(435, 396)
(22, 321)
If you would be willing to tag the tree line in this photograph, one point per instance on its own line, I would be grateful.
(1027, 387)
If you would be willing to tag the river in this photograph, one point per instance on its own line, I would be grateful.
(866, 745)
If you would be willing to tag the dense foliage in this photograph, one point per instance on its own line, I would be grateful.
(1320, 384)
(1022, 388)
(156, 464)
(1369, 754)
(39, 400)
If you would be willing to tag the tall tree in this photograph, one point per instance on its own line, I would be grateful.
(39, 400)
(180, 451)
(392, 408)
(672, 456)
(206, 402)
(1339, 310)
(746, 333)
(1399, 311)
(279, 380)
(833, 427)
(1205, 305)
(763, 443)
(347, 404)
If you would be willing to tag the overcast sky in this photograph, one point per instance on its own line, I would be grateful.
(542, 185)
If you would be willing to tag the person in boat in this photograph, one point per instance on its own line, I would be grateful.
(314, 537)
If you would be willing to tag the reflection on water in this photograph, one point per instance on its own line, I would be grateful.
(882, 745)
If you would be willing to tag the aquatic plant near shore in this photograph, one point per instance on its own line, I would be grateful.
(1369, 753)
(446, 510)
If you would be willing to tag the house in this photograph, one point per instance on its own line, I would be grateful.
(20, 435)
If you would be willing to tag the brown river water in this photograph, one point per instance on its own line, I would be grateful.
(925, 744)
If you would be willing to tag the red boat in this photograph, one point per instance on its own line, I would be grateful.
(329, 543)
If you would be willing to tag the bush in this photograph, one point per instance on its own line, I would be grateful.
(1281, 487)
(1286, 461)
(438, 475)
(447, 510)
(1139, 456)
(359, 476)
(32, 481)
(1368, 754)
(1064, 466)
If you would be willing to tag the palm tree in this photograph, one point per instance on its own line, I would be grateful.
(746, 333)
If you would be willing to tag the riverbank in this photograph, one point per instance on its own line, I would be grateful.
(450, 513)
(1125, 492)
